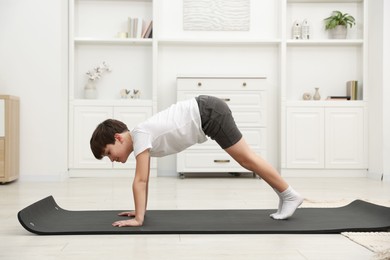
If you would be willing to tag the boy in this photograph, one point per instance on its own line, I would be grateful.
(173, 130)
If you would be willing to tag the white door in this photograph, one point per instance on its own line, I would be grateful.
(305, 137)
(344, 137)
(85, 121)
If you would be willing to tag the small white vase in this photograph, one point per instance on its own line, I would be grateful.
(339, 32)
(90, 91)
(317, 94)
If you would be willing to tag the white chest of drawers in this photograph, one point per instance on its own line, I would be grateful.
(246, 97)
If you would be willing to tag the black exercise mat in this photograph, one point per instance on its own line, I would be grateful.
(45, 217)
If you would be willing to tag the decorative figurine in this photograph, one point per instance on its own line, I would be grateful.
(296, 30)
(305, 30)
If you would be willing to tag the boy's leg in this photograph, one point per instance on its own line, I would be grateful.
(246, 157)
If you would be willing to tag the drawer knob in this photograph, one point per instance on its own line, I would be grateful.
(221, 161)
(244, 84)
(199, 84)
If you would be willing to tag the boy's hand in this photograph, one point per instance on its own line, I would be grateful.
(127, 223)
(127, 214)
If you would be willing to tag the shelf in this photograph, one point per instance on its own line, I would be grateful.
(113, 102)
(135, 41)
(220, 41)
(220, 76)
(110, 1)
(325, 103)
(324, 42)
(324, 1)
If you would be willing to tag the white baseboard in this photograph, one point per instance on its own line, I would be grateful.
(44, 177)
(105, 173)
(315, 173)
(374, 176)
(386, 177)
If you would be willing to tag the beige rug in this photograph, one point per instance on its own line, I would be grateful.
(377, 242)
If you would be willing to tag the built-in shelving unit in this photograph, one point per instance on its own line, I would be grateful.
(292, 67)
(312, 142)
(98, 34)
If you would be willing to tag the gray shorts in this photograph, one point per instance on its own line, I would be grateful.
(217, 121)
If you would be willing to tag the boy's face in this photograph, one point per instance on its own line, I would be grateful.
(119, 151)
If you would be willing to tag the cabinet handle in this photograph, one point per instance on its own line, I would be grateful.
(244, 84)
(221, 161)
(199, 84)
(225, 99)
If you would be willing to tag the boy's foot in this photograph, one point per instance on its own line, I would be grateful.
(289, 201)
(279, 206)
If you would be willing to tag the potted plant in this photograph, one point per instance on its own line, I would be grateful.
(337, 24)
(90, 91)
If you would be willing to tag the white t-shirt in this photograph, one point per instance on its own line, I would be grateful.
(169, 131)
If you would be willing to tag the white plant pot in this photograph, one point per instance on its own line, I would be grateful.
(90, 91)
(339, 32)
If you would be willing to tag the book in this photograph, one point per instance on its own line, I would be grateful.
(138, 32)
(147, 30)
(135, 27)
(129, 27)
(338, 98)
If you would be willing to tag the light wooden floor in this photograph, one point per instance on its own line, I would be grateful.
(174, 193)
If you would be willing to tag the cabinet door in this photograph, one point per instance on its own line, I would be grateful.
(2, 118)
(131, 116)
(2, 157)
(305, 137)
(344, 137)
(85, 121)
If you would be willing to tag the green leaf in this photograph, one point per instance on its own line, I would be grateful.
(338, 18)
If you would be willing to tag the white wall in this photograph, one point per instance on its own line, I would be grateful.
(375, 75)
(33, 66)
(379, 94)
(386, 90)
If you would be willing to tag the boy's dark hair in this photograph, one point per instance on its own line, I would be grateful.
(104, 134)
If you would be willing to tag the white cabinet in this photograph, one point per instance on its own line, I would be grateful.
(305, 137)
(86, 116)
(246, 97)
(85, 121)
(326, 138)
(345, 145)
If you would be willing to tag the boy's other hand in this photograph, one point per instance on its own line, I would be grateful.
(127, 223)
(127, 214)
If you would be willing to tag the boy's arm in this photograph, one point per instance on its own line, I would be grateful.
(140, 191)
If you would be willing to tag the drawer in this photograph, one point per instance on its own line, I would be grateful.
(208, 161)
(255, 138)
(251, 100)
(250, 118)
(238, 84)
(248, 109)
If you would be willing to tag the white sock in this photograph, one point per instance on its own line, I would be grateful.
(279, 206)
(291, 200)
